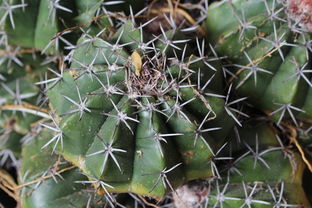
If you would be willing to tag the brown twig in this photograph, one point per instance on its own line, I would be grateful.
(171, 10)
(186, 15)
(8, 192)
(44, 177)
(254, 61)
(94, 19)
(305, 120)
(22, 51)
(148, 203)
(28, 108)
(7, 184)
(191, 6)
(293, 139)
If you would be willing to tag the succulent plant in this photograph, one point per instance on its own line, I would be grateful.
(269, 53)
(147, 103)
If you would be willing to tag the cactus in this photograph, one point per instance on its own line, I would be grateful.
(254, 178)
(18, 91)
(133, 103)
(270, 59)
(141, 122)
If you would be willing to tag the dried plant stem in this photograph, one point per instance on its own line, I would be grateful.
(84, 24)
(253, 62)
(293, 139)
(28, 108)
(44, 177)
(8, 185)
(148, 203)
(22, 51)
(179, 11)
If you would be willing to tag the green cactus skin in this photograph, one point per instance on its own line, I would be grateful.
(37, 22)
(263, 175)
(278, 167)
(66, 189)
(249, 35)
(62, 190)
(16, 89)
(136, 165)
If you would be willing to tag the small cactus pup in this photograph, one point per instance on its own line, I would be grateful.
(131, 110)
(268, 45)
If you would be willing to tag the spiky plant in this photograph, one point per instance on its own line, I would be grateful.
(120, 103)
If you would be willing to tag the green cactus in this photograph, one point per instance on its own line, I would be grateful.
(270, 60)
(138, 103)
(263, 175)
(18, 93)
(108, 99)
